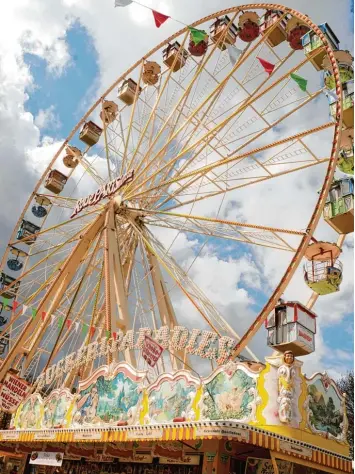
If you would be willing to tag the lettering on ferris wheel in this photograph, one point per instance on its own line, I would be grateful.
(104, 191)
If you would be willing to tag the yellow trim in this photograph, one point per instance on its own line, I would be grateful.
(260, 387)
(303, 462)
(145, 407)
(195, 404)
(302, 400)
(309, 438)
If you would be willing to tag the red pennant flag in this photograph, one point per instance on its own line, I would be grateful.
(266, 65)
(43, 315)
(114, 335)
(15, 305)
(68, 323)
(159, 18)
(92, 330)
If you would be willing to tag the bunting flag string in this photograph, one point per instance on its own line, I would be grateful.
(122, 3)
(301, 81)
(268, 67)
(5, 301)
(234, 53)
(197, 36)
(331, 94)
(159, 18)
(69, 323)
(15, 305)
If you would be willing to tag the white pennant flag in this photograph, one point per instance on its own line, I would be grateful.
(331, 94)
(122, 3)
(52, 319)
(76, 326)
(24, 308)
(234, 53)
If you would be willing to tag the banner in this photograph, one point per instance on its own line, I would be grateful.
(46, 459)
(264, 466)
(151, 351)
(12, 392)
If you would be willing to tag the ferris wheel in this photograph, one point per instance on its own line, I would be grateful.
(161, 153)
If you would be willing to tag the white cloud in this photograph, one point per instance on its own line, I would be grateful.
(47, 119)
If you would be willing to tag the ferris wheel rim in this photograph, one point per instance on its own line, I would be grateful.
(332, 160)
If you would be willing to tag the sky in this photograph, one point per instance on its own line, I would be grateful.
(56, 57)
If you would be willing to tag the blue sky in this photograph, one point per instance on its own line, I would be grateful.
(72, 91)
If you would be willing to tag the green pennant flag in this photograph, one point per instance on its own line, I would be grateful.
(60, 322)
(85, 329)
(197, 36)
(5, 302)
(108, 334)
(301, 81)
(34, 312)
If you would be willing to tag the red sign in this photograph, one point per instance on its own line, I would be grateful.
(151, 351)
(12, 392)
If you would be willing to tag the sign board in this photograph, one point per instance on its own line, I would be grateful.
(139, 458)
(151, 351)
(87, 435)
(44, 436)
(154, 433)
(295, 449)
(225, 431)
(46, 459)
(264, 466)
(11, 435)
(103, 192)
(192, 460)
(12, 392)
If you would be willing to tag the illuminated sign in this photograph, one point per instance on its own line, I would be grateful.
(104, 191)
(199, 342)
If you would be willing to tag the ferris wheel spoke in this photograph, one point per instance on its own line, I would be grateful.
(155, 105)
(56, 290)
(212, 96)
(198, 173)
(211, 134)
(214, 227)
(55, 348)
(201, 303)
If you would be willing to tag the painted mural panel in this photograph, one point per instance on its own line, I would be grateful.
(173, 398)
(111, 394)
(107, 400)
(57, 408)
(230, 394)
(325, 411)
(29, 414)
